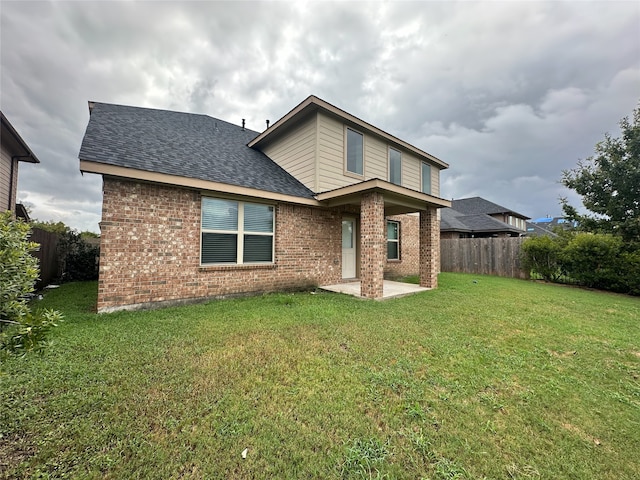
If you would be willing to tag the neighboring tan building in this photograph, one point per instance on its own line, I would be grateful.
(13, 149)
(479, 218)
(195, 207)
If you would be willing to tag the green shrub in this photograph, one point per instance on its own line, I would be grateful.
(541, 255)
(18, 268)
(593, 260)
(20, 329)
(630, 271)
(79, 259)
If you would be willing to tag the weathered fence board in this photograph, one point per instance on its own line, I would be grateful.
(489, 256)
(47, 255)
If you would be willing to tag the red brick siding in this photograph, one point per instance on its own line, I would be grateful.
(409, 263)
(150, 249)
(429, 248)
(373, 245)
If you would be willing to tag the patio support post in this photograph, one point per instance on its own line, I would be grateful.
(429, 247)
(373, 245)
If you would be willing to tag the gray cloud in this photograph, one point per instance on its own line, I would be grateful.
(508, 93)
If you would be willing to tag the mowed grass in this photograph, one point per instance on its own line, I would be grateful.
(482, 378)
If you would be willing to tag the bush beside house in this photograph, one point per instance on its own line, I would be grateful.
(594, 260)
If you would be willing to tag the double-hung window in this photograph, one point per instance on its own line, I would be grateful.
(395, 166)
(426, 178)
(236, 232)
(355, 152)
(393, 240)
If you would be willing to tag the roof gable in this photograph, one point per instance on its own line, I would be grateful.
(313, 103)
(182, 144)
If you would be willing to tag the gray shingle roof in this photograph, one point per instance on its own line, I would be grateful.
(477, 205)
(454, 220)
(183, 144)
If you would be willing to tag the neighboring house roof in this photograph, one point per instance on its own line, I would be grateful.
(534, 229)
(182, 144)
(456, 221)
(313, 103)
(21, 212)
(478, 205)
(12, 140)
(550, 222)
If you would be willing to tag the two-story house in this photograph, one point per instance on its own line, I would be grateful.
(195, 207)
(13, 149)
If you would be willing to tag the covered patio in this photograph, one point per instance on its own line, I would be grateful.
(373, 200)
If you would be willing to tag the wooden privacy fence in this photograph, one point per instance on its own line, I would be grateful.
(489, 256)
(47, 256)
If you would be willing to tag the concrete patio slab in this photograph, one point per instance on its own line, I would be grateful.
(390, 289)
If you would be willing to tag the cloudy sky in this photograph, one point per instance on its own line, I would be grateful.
(509, 94)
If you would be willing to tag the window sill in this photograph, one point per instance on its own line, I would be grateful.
(235, 267)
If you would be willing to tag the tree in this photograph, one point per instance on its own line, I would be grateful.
(50, 226)
(609, 183)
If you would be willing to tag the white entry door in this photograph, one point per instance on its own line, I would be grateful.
(348, 248)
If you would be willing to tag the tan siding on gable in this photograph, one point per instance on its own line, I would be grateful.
(376, 158)
(295, 151)
(411, 171)
(331, 164)
(435, 181)
(331, 155)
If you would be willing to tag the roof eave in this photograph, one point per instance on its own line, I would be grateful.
(89, 166)
(29, 156)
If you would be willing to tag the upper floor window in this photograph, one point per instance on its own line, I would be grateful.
(393, 240)
(426, 178)
(355, 152)
(395, 166)
(236, 232)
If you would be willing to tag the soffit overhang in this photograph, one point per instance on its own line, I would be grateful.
(312, 104)
(397, 200)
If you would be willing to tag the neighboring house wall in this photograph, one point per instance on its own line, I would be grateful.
(13, 149)
(8, 181)
(150, 249)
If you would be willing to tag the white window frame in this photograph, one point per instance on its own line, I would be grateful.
(422, 165)
(239, 233)
(346, 152)
(396, 240)
(399, 182)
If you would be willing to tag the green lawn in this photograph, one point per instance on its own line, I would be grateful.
(482, 378)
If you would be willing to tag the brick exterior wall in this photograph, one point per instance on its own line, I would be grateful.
(150, 249)
(429, 248)
(409, 263)
(373, 245)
